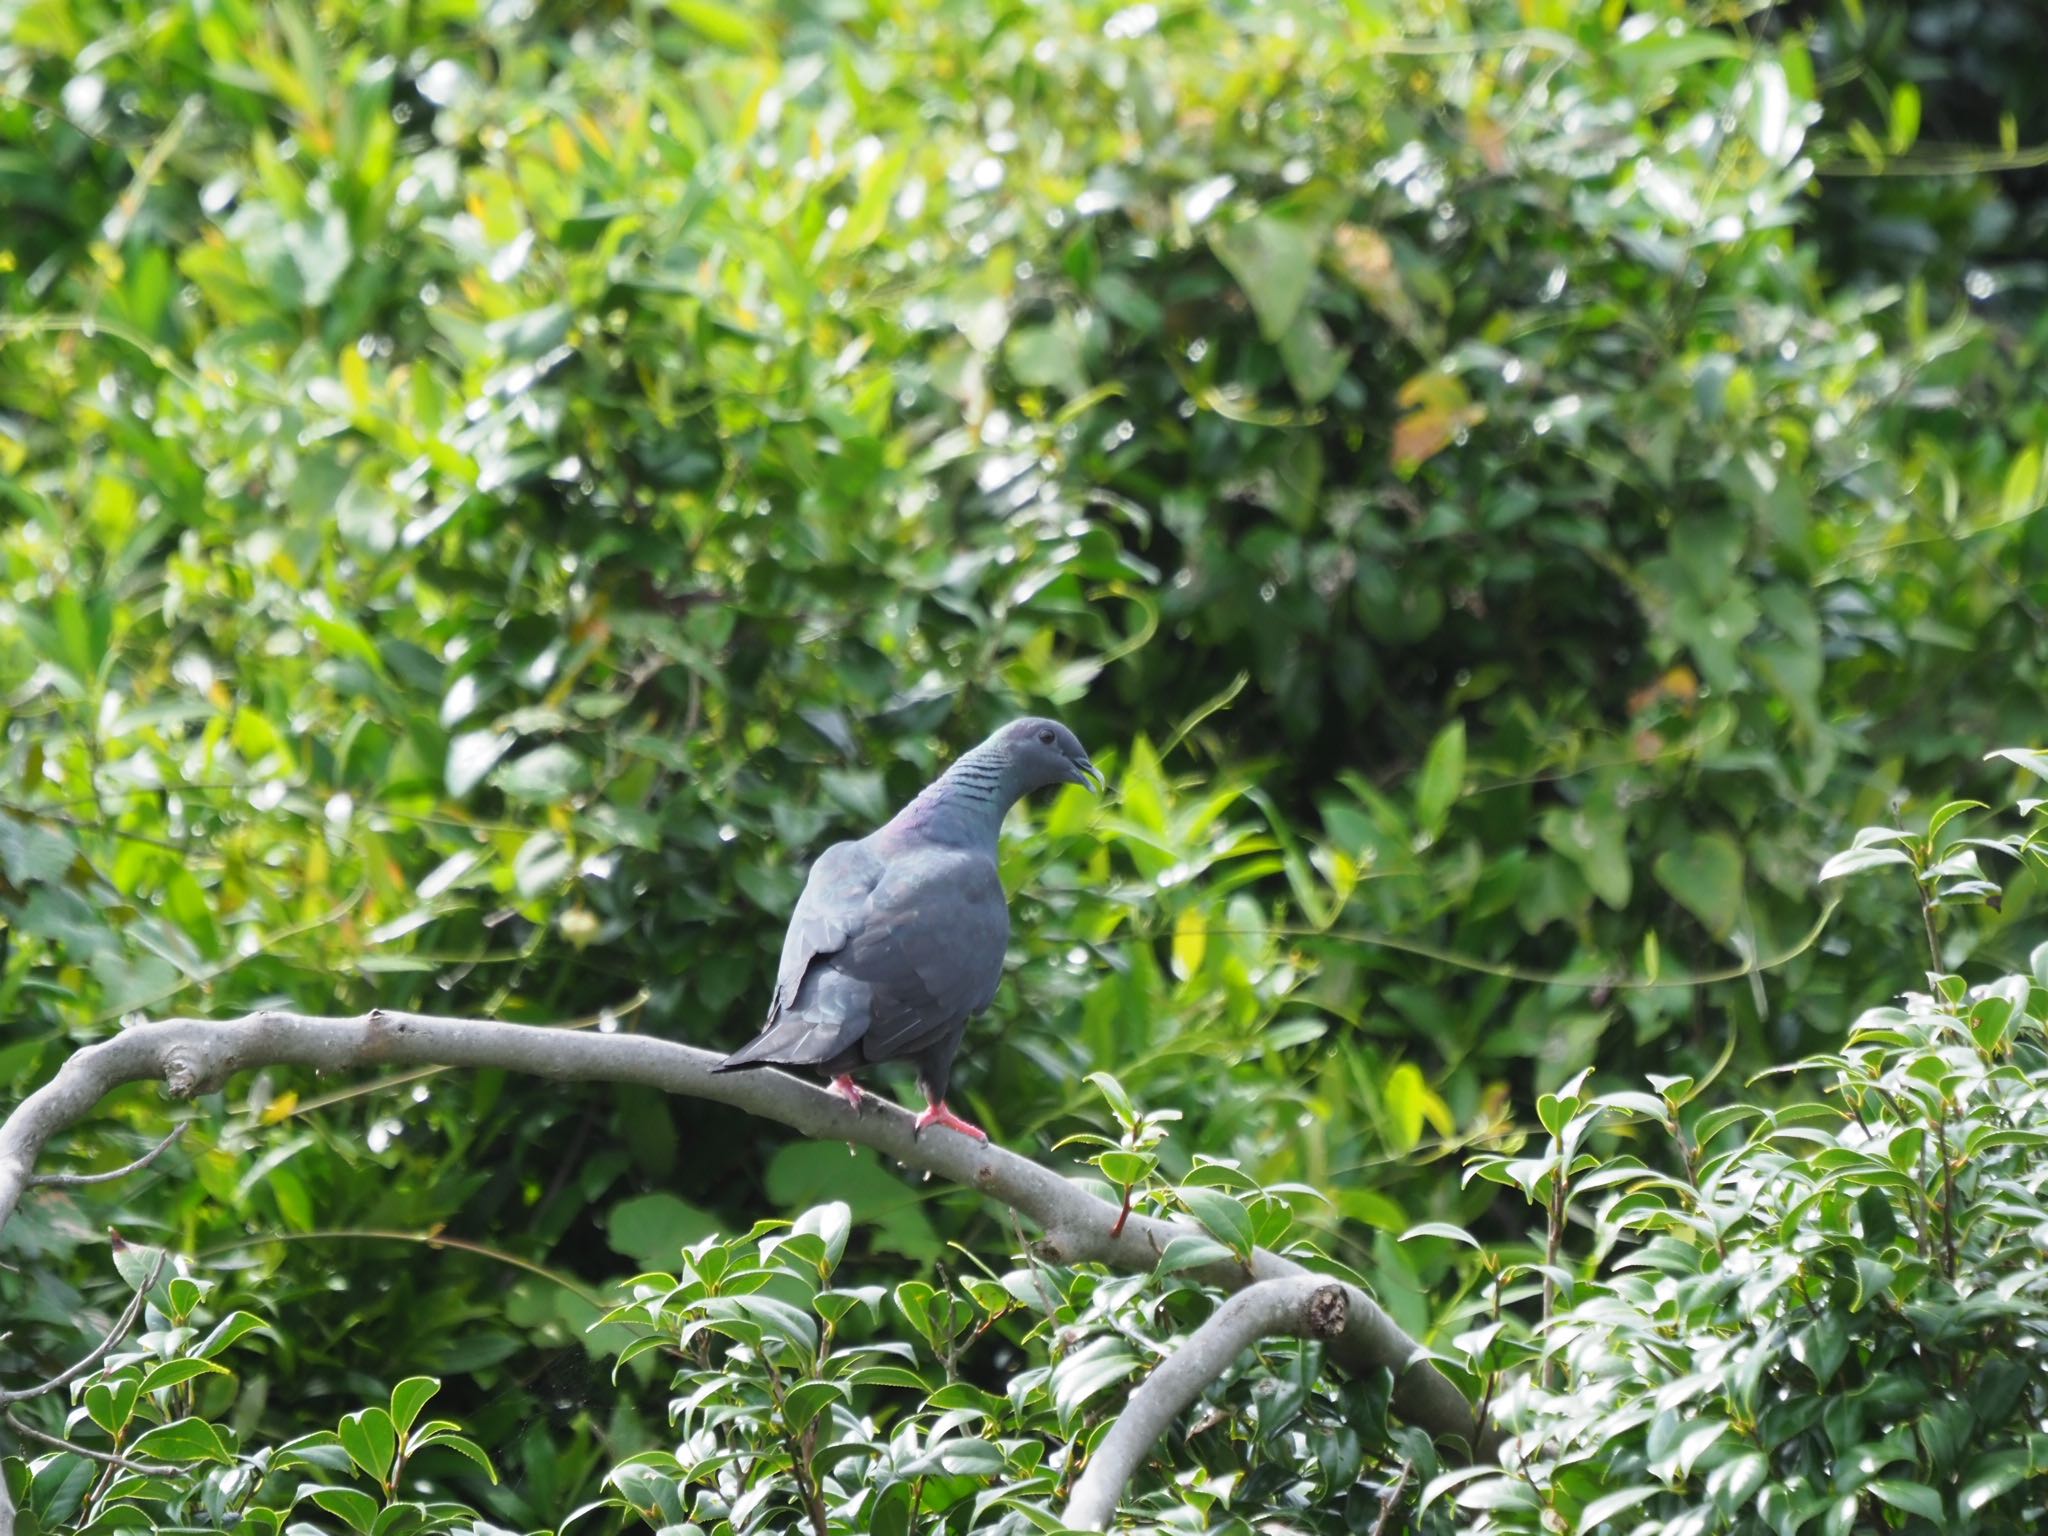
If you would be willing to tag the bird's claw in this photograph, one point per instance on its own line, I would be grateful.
(938, 1114)
(848, 1089)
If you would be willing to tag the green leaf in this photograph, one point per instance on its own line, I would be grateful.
(726, 25)
(1594, 836)
(400, 1519)
(830, 1222)
(1312, 358)
(2035, 762)
(1187, 1250)
(2022, 493)
(806, 1400)
(371, 1441)
(351, 1504)
(1441, 1229)
(1088, 1372)
(408, 1398)
(1224, 1216)
(137, 1262)
(112, 1403)
(655, 1228)
(31, 853)
(542, 863)
(1046, 357)
(171, 1372)
(182, 1440)
(1704, 875)
(1404, 1094)
(1991, 1477)
(1190, 942)
(1442, 778)
(1123, 1168)
(1852, 861)
(471, 756)
(1949, 812)
(1119, 1101)
(547, 775)
(1273, 255)
(1608, 1505)
(464, 1446)
(1905, 126)
(1913, 1498)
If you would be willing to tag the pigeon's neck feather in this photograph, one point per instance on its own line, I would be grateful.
(964, 806)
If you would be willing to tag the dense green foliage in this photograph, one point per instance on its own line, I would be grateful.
(1825, 1315)
(486, 493)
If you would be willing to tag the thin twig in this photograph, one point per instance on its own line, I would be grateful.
(799, 1456)
(120, 1329)
(1046, 1293)
(73, 1180)
(119, 1463)
(1392, 1501)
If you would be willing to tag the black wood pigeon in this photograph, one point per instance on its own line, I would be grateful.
(898, 939)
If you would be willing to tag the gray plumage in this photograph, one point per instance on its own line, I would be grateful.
(898, 938)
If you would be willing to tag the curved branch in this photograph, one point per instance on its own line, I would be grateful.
(74, 1180)
(194, 1056)
(1300, 1306)
(79, 1367)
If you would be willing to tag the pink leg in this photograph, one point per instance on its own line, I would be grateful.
(847, 1089)
(938, 1114)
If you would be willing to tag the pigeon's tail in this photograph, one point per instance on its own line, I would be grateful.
(799, 1040)
(758, 1052)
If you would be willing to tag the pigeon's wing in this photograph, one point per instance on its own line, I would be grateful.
(818, 1013)
(930, 949)
(834, 901)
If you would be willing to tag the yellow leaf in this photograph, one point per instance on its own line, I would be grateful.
(355, 377)
(1439, 409)
(280, 1108)
(1364, 257)
(563, 143)
(1190, 943)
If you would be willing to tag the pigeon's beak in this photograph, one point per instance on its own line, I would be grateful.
(1088, 775)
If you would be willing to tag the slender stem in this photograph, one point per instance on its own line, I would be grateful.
(119, 1463)
(1948, 1193)
(1392, 1501)
(1689, 1156)
(1560, 1184)
(74, 1180)
(799, 1455)
(114, 1336)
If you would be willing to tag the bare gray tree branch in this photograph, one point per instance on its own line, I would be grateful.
(78, 1368)
(1300, 1306)
(107, 1458)
(73, 1180)
(194, 1056)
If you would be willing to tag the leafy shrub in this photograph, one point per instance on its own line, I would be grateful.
(155, 1451)
(965, 1406)
(1826, 1315)
(487, 491)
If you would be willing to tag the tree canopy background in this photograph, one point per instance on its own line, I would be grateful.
(491, 489)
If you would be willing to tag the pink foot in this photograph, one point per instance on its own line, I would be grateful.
(938, 1114)
(848, 1089)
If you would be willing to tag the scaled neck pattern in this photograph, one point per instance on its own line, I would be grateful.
(964, 807)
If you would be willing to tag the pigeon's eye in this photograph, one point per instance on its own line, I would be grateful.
(1046, 737)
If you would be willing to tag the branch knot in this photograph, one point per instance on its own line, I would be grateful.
(1329, 1309)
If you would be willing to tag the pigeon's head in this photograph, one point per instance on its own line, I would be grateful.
(1042, 753)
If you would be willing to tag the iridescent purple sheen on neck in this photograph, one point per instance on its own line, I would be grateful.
(964, 807)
